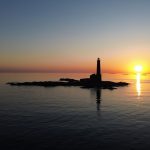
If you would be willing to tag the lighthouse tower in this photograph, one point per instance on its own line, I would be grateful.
(98, 70)
(97, 77)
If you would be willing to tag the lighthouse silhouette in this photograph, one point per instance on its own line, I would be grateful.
(94, 78)
(98, 70)
(97, 77)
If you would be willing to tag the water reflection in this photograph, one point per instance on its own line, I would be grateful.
(96, 93)
(138, 84)
(98, 98)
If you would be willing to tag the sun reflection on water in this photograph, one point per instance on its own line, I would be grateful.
(138, 84)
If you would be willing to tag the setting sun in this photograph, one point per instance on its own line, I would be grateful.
(138, 68)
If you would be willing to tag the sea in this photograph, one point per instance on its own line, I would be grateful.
(74, 118)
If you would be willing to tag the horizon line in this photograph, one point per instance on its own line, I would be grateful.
(105, 72)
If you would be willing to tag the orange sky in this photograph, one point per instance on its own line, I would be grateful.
(108, 66)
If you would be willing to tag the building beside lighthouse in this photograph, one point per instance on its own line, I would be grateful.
(94, 78)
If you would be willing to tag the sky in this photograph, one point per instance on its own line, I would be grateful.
(69, 35)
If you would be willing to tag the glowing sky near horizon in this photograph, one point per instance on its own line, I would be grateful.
(69, 35)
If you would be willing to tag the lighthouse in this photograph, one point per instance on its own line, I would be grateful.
(97, 77)
(98, 70)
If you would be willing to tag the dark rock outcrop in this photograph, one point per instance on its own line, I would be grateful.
(85, 83)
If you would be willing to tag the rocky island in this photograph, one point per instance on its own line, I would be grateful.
(95, 81)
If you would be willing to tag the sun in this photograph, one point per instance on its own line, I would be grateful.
(138, 68)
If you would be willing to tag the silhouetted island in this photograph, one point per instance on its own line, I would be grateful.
(95, 81)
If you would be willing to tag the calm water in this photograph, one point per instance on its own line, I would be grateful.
(72, 117)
